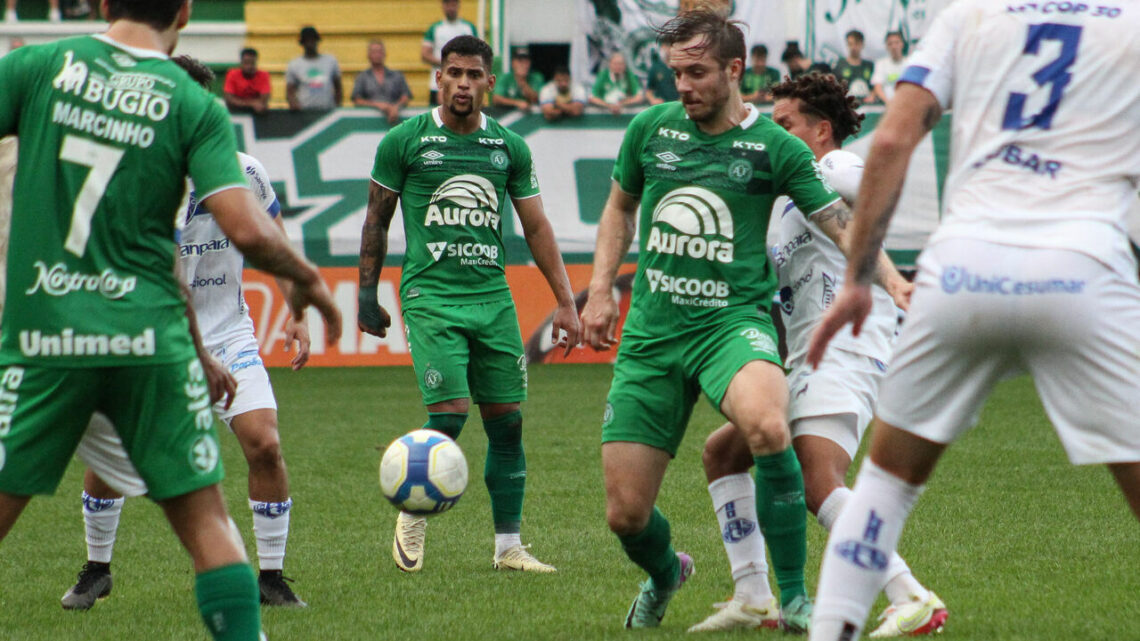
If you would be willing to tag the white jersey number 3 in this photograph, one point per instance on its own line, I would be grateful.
(103, 161)
(1055, 74)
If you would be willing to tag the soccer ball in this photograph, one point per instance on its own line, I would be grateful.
(423, 472)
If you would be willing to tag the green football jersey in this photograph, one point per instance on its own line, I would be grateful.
(705, 204)
(108, 134)
(453, 194)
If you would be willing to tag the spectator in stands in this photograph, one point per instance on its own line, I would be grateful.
(53, 11)
(437, 35)
(855, 70)
(562, 97)
(661, 85)
(312, 80)
(379, 87)
(755, 81)
(616, 86)
(519, 88)
(889, 68)
(799, 64)
(247, 87)
(14, 43)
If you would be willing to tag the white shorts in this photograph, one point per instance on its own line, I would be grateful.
(981, 310)
(254, 392)
(102, 451)
(845, 383)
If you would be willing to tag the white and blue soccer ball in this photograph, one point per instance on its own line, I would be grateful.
(423, 472)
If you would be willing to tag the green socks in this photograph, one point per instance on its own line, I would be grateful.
(652, 550)
(229, 602)
(446, 422)
(783, 518)
(505, 471)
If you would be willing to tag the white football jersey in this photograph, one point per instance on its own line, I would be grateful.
(213, 266)
(1045, 140)
(811, 268)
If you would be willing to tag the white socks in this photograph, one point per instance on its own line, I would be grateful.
(734, 499)
(271, 529)
(859, 550)
(101, 522)
(504, 542)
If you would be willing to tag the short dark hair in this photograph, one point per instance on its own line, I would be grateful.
(562, 69)
(760, 50)
(824, 96)
(856, 34)
(159, 14)
(894, 33)
(721, 37)
(199, 72)
(468, 46)
(248, 51)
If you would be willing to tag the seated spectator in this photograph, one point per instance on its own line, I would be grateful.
(562, 97)
(519, 88)
(312, 80)
(661, 86)
(53, 11)
(889, 68)
(755, 81)
(247, 87)
(855, 70)
(799, 64)
(616, 86)
(379, 87)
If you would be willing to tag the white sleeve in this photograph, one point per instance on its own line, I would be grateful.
(259, 183)
(548, 94)
(931, 66)
(843, 170)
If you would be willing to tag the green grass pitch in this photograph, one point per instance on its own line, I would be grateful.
(1019, 544)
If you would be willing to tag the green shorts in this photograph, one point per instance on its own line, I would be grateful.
(461, 351)
(162, 413)
(657, 380)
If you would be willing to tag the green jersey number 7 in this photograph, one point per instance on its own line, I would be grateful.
(103, 160)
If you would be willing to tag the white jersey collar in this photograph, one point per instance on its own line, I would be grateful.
(752, 117)
(134, 51)
(439, 120)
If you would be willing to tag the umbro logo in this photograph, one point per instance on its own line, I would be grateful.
(668, 156)
(437, 249)
(432, 155)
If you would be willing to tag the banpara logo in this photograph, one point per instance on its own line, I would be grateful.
(694, 222)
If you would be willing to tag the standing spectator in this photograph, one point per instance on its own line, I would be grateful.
(53, 11)
(379, 87)
(438, 35)
(855, 70)
(562, 97)
(756, 80)
(889, 68)
(247, 87)
(799, 64)
(312, 80)
(660, 86)
(616, 87)
(519, 88)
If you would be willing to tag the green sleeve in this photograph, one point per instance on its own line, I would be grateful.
(599, 90)
(212, 159)
(628, 172)
(429, 35)
(13, 82)
(632, 85)
(773, 76)
(799, 176)
(388, 169)
(523, 181)
(503, 86)
(535, 80)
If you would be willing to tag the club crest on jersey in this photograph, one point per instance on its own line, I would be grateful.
(464, 200)
(683, 221)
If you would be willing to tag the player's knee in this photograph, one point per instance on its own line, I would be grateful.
(724, 454)
(624, 520)
(265, 451)
(766, 433)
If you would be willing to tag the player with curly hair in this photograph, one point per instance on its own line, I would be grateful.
(828, 407)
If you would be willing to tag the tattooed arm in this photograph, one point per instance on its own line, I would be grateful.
(370, 316)
(835, 222)
(910, 116)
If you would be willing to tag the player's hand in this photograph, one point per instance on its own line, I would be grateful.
(317, 294)
(221, 383)
(901, 290)
(566, 331)
(297, 331)
(599, 320)
(371, 318)
(852, 306)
